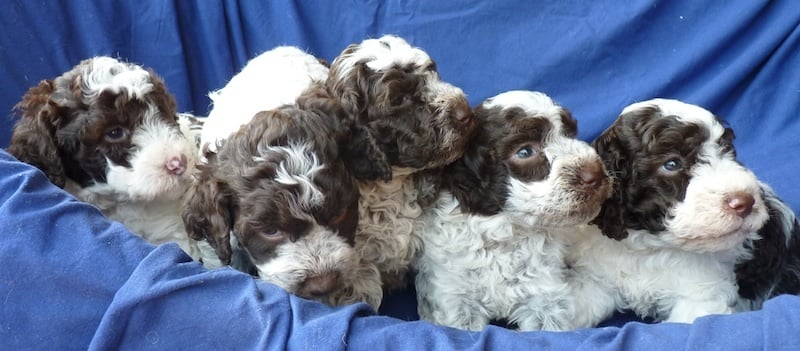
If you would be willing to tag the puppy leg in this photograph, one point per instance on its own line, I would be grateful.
(552, 311)
(686, 310)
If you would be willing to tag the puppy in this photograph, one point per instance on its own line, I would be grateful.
(774, 266)
(684, 213)
(279, 186)
(493, 243)
(406, 125)
(108, 133)
(272, 79)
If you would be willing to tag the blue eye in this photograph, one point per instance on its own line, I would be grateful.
(271, 232)
(673, 165)
(526, 152)
(116, 134)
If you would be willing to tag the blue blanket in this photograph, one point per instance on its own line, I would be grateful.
(740, 59)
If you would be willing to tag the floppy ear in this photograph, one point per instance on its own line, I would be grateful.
(611, 219)
(478, 180)
(775, 266)
(34, 138)
(364, 158)
(207, 211)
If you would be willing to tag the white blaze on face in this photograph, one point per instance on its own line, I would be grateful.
(299, 167)
(702, 221)
(162, 161)
(318, 252)
(553, 201)
(105, 73)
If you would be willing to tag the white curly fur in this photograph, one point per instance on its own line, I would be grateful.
(475, 268)
(687, 270)
(389, 209)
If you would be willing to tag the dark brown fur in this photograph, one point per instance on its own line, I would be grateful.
(235, 193)
(66, 134)
(633, 149)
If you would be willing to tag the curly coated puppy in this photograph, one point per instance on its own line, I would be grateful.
(107, 131)
(493, 243)
(689, 229)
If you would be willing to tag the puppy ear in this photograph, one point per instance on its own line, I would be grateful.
(478, 180)
(364, 156)
(611, 219)
(775, 266)
(351, 88)
(34, 138)
(207, 211)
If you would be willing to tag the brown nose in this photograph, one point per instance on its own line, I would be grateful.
(462, 113)
(176, 165)
(591, 175)
(320, 285)
(740, 203)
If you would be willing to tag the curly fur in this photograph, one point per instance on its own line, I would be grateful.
(683, 214)
(774, 268)
(493, 243)
(107, 132)
(406, 124)
(280, 187)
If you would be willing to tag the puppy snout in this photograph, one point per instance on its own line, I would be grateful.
(740, 203)
(320, 285)
(591, 175)
(176, 165)
(462, 113)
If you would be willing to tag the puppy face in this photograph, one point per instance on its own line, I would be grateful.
(526, 162)
(279, 185)
(105, 124)
(676, 177)
(405, 117)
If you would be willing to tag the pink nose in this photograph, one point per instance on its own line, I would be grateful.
(176, 165)
(740, 203)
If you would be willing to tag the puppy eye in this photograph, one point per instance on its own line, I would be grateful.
(401, 100)
(116, 134)
(673, 165)
(273, 234)
(526, 152)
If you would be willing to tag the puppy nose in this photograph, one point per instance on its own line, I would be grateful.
(320, 285)
(462, 113)
(741, 204)
(176, 165)
(591, 175)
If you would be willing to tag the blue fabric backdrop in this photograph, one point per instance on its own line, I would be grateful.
(738, 58)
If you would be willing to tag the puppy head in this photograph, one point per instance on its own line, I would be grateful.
(526, 162)
(105, 122)
(677, 177)
(280, 187)
(404, 116)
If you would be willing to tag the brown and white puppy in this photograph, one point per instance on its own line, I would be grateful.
(406, 125)
(107, 131)
(493, 244)
(684, 214)
(279, 186)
